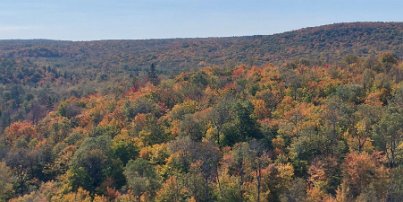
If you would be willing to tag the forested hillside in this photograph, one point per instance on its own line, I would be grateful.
(290, 132)
(324, 44)
(36, 74)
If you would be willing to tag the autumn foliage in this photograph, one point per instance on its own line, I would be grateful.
(291, 132)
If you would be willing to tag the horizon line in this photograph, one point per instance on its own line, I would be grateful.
(200, 37)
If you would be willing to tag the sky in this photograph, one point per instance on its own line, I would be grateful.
(149, 19)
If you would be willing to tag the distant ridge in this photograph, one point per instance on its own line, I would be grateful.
(36, 74)
(327, 43)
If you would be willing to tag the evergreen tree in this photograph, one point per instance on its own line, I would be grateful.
(153, 76)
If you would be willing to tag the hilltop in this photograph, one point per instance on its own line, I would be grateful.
(328, 43)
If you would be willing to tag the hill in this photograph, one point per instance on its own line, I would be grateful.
(327, 43)
(36, 74)
(114, 121)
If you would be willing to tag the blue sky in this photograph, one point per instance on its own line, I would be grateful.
(144, 19)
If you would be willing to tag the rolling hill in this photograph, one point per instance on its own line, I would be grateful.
(309, 115)
(326, 43)
(36, 74)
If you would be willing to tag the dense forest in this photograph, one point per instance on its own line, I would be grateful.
(291, 132)
(309, 115)
(328, 43)
(35, 75)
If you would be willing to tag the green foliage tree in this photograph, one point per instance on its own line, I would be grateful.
(93, 163)
(152, 75)
(388, 134)
(6, 182)
(125, 151)
(191, 127)
(243, 125)
(141, 178)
